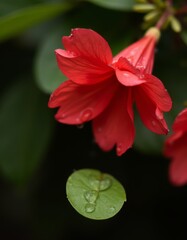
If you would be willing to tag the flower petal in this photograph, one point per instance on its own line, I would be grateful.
(170, 143)
(128, 79)
(115, 125)
(82, 70)
(180, 123)
(79, 104)
(150, 115)
(140, 54)
(156, 91)
(127, 74)
(88, 43)
(124, 65)
(178, 166)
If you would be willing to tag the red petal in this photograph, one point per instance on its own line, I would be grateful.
(115, 125)
(79, 104)
(124, 65)
(128, 79)
(180, 123)
(140, 54)
(88, 43)
(127, 74)
(170, 143)
(82, 70)
(150, 115)
(156, 91)
(178, 166)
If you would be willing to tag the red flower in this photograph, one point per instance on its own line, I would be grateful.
(103, 89)
(176, 148)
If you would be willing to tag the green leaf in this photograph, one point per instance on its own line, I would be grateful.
(26, 128)
(115, 4)
(18, 21)
(48, 75)
(94, 194)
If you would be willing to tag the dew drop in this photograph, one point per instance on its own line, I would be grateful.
(112, 209)
(91, 196)
(63, 116)
(141, 76)
(86, 115)
(130, 59)
(90, 207)
(140, 67)
(105, 184)
(159, 114)
(99, 129)
(94, 183)
(153, 123)
(126, 75)
(119, 148)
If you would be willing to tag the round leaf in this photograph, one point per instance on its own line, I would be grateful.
(94, 194)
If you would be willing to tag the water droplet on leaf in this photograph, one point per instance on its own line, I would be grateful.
(112, 209)
(90, 207)
(91, 196)
(105, 184)
(94, 183)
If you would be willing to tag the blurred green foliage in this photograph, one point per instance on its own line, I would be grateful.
(37, 154)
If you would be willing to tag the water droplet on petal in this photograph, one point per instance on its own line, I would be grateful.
(159, 114)
(91, 196)
(126, 75)
(99, 129)
(130, 59)
(153, 123)
(86, 115)
(90, 207)
(140, 67)
(105, 184)
(119, 148)
(63, 115)
(141, 76)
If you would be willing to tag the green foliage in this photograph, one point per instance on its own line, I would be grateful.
(94, 194)
(19, 20)
(117, 4)
(26, 127)
(184, 36)
(48, 75)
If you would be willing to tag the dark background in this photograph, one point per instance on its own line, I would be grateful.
(33, 203)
